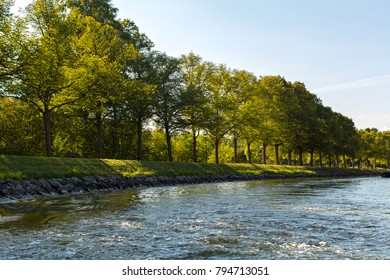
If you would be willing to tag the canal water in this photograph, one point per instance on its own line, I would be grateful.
(277, 219)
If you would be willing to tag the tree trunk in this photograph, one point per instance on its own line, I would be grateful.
(312, 158)
(264, 153)
(320, 159)
(337, 161)
(194, 143)
(99, 131)
(277, 154)
(217, 151)
(345, 161)
(114, 134)
(300, 151)
(289, 157)
(169, 144)
(47, 123)
(248, 144)
(235, 140)
(330, 161)
(139, 139)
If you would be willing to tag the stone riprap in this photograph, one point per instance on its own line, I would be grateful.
(14, 189)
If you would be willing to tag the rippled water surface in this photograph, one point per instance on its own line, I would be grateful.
(281, 219)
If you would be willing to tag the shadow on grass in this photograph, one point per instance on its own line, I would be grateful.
(24, 167)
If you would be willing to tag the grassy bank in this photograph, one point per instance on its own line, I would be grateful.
(23, 168)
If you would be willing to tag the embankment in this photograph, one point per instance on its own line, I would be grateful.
(31, 176)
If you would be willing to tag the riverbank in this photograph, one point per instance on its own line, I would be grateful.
(22, 176)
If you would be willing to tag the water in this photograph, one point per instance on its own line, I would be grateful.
(280, 219)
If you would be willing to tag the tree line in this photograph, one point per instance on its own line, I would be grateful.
(77, 81)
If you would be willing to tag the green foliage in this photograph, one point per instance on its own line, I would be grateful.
(18, 125)
(374, 148)
(84, 82)
(167, 103)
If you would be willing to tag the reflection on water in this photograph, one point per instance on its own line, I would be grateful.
(25, 214)
(277, 219)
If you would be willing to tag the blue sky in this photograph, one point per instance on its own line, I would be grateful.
(339, 49)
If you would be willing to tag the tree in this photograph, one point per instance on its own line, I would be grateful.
(367, 145)
(104, 53)
(385, 147)
(219, 103)
(195, 74)
(140, 93)
(122, 47)
(52, 77)
(276, 93)
(253, 120)
(343, 138)
(243, 87)
(168, 103)
(324, 131)
(304, 133)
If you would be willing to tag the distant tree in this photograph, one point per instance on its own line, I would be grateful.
(346, 142)
(385, 147)
(324, 131)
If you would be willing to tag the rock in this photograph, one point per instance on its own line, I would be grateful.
(55, 183)
(386, 174)
(4, 192)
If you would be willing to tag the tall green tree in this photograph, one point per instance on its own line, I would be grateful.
(168, 104)
(104, 53)
(218, 106)
(302, 121)
(140, 94)
(123, 50)
(196, 72)
(243, 85)
(52, 77)
(276, 93)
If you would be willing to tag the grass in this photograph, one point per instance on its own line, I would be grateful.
(24, 167)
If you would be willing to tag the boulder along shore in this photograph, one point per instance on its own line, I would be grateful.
(11, 189)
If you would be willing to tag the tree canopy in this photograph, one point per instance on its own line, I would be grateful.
(82, 82)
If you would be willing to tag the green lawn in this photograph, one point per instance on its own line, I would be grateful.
(23, 167)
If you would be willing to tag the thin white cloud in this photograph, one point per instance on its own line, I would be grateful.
(363, 83)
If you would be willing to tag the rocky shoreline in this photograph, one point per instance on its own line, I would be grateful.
(14, 189)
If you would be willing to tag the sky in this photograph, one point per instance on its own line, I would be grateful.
(339, 49)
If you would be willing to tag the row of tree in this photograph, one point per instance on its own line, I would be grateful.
(75, 80)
